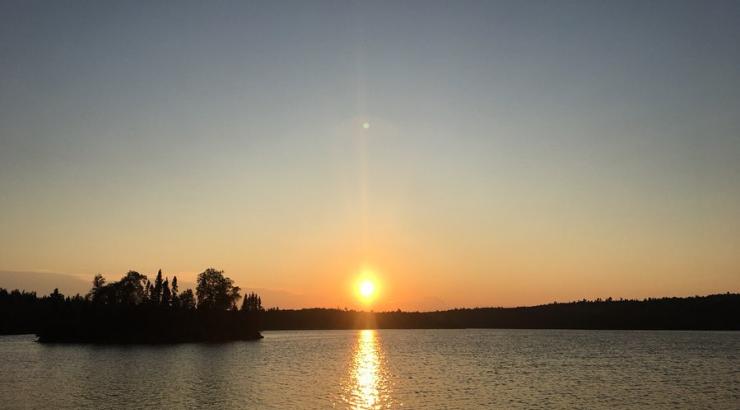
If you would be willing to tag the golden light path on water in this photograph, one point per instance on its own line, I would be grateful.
(369, 387)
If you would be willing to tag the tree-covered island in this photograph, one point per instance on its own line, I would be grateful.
(137, 310)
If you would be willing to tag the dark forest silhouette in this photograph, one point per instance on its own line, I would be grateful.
(713, 312)
(136, 310)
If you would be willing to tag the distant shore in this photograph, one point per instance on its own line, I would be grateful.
(154, 324)
(712, 312)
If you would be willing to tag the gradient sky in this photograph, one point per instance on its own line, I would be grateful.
(518, 152)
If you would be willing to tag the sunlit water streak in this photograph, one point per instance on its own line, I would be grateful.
(368, 386)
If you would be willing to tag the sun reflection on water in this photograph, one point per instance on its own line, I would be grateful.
(368, 388)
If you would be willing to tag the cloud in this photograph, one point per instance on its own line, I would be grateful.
(44, 283)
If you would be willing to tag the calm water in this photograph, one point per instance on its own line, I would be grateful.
(384, 368)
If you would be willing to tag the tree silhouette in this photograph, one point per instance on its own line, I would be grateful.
(252, 303)
(56, 298)
(127, 291)
(156, 295)
(215, 291)
(166, 293)
(187, 300)
(175, 296)
(147, 291)
(130, 289)
(98, 284)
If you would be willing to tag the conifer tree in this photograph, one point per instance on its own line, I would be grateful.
(156, 295)
(252, 303)
(175, 296)
(166, 293)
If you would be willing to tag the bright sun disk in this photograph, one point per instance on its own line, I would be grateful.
(367, 288)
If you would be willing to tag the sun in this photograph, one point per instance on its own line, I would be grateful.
(366, 287)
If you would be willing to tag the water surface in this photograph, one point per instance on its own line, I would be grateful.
(384, 368)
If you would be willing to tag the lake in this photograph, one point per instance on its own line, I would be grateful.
(384, 368)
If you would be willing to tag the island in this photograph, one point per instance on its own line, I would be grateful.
(136, 310)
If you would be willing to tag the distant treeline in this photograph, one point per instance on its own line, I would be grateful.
(714, 312)
(136, 310)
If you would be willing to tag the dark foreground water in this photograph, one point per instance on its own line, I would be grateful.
(384, 368)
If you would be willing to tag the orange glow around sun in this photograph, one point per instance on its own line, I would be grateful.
(367, 286)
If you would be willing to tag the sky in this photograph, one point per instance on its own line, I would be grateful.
(461, 153)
